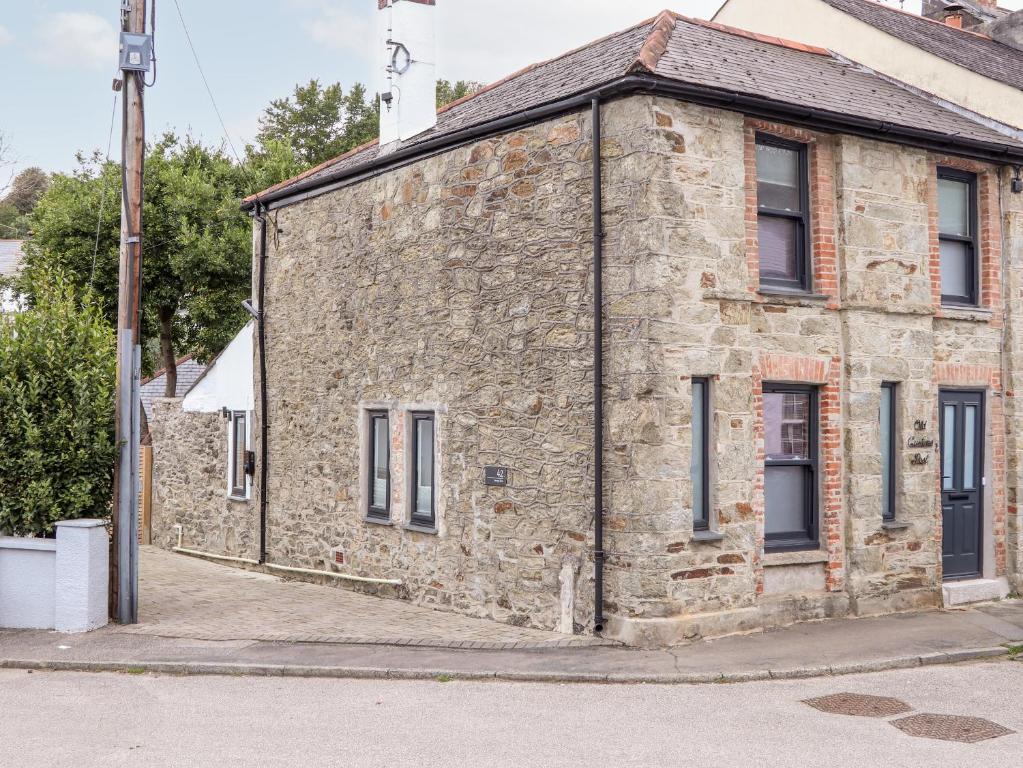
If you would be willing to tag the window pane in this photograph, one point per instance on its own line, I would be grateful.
(887, 402)
(699, 457)
(969, 448)
(948, 433)
(238, 468)
(785, 499)
(955, 268)
(777, 238)
(787, 425)
(953, 207)
(777, 177)
(380, 468)
(424, 468)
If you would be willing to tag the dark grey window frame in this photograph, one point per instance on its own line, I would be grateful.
(972, 298)
(236, 491)
(809, 538)
(804, 274)
(374, 512)
(701, 517)
(891, 450)
(414, 518)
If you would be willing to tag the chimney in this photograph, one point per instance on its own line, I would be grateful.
(408, 85)
(954, 16)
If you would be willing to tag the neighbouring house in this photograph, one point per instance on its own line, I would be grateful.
(10, 264)
(201, 443)
(980, 70)
(788, 395)
(189, 370)
(972, 13)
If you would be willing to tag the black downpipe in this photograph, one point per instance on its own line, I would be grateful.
(598, 376)
(264, 439)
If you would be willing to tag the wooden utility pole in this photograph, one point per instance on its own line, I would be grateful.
(124, 560)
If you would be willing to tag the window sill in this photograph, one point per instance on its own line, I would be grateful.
(791, 298)
(238, 498)
(707, 536)
(421, 528)
(378, 520)
(894, 525)
(970, 314)
(804, 557)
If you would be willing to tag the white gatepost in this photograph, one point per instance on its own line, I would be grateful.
(82, 575)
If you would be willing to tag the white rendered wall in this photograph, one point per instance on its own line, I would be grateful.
(56, 583)
(228, 382)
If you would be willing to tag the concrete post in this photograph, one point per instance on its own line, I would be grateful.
(82, 575)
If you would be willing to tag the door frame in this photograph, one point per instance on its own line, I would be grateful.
(980, 457)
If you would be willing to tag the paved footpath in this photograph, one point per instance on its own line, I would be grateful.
(202, 618)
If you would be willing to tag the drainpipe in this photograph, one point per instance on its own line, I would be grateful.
(598, 377)
(264, 450)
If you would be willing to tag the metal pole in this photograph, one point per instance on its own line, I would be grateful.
(598, 376)
(124, 565)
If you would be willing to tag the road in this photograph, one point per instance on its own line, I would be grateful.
(55, 719)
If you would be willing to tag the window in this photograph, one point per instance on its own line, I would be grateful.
(698, 468)
(957, 236)
(889, 444)
(379, 491)
(783, 214)
(790, 466)
(238, 444)
(423, 471)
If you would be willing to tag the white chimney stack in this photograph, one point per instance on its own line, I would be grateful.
(408, 86)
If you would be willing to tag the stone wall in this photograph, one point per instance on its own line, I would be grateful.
(461, 283)
(190, 484)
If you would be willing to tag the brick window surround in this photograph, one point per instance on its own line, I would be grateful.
(823, 257)
(989, 235)
(988, 378)
(825, 373)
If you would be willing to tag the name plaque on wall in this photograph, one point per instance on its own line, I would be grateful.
(495, 475)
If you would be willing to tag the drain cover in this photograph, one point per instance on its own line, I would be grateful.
(859, 704)
(950, 727)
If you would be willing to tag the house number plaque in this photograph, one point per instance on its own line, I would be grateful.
(495, 475)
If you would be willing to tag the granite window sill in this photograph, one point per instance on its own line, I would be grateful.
(708, 536)
(969, 314)
(378, 520)
(420, 528)
(894, 525)
(805, 557)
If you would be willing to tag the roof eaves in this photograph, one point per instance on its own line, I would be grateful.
(655, 45)
(310, 171)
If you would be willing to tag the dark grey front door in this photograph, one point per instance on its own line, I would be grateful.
(962, 482)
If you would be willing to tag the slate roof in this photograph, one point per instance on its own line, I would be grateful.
(694, 52)
(10, 257)
(969, 49)
(189, 372)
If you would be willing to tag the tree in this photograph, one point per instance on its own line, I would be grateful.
(196, 249)
(447, 93)
(26, 189)
(57, 446)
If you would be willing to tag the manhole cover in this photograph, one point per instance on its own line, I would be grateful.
(950, 727)
(859, 704)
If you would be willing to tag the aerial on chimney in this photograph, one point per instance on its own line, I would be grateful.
(408, 76)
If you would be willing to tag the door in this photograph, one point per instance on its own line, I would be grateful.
(962, 482)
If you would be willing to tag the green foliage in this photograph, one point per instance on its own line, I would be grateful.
(196, 244)
(448, 92)
(25, 191)
(320, 123)
(57, 449)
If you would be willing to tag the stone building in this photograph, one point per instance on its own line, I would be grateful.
(807, 346)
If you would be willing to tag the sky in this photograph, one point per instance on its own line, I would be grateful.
(58, 58)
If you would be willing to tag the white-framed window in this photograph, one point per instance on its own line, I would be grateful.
(239, 483)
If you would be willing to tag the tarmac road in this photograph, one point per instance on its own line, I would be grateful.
(55, 719)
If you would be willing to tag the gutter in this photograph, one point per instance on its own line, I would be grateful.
(598, 374)
(754, 106)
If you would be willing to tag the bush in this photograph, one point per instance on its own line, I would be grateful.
(57, 445)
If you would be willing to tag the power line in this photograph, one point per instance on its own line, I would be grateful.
(103, 191)
(202, 74)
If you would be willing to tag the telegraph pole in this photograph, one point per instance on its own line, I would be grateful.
(135, 58)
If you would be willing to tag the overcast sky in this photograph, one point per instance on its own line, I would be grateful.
(57, 58)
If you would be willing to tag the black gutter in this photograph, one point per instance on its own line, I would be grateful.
(598, 375)
(264, 434)
(754, 106)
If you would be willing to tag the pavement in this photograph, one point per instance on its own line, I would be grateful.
(202, 618)
(166, 721)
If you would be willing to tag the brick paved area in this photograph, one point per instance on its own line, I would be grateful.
(183, 596)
